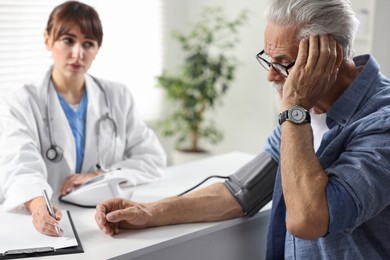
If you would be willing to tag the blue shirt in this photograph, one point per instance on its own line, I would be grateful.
(355, 154)
(77, 121)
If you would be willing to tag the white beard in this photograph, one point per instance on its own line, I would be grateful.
(278, 97)
(278, 87)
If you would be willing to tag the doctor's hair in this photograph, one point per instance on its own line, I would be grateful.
(317, 17)
(74, 13)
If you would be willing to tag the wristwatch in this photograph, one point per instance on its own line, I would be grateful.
(296, 114)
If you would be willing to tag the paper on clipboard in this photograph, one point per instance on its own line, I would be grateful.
(18, 232)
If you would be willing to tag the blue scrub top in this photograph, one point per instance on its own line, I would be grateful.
(77, 120)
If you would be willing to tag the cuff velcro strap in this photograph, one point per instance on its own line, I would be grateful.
(253, 184)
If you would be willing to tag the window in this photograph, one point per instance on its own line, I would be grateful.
(131, 52)
(22, 52)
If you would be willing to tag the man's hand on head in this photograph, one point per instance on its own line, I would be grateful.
(314, 72)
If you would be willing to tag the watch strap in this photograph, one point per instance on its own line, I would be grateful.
(283, 117)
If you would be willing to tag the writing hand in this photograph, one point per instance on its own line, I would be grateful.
(42, 220)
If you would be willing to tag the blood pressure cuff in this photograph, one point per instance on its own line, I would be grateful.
(253, 184)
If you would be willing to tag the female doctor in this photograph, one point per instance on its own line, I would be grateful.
(62, 132)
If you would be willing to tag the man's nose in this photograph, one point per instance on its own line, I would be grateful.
(274, 76)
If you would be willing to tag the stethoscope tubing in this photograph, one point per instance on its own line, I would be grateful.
(55, 153)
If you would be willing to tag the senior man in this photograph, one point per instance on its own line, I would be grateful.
(332, 145)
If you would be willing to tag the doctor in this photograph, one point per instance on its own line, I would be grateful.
(69, 128)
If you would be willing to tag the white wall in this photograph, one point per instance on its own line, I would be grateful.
(131, 49)
(381, 35)
(247, 115)
(373, 36)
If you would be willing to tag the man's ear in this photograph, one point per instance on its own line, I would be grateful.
(47, 40)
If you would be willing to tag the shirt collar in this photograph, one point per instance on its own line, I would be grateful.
(344, 108)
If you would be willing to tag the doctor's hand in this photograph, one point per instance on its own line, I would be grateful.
(116, 214)
(75, 180)
(42, 220)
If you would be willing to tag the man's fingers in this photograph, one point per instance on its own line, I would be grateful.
(302, 53)
(107, 227)
(104, 222)
(116, 216)
(101, 208)
(328, 54)
(332, 66)
(109, 205)
(116, 213)
(312, 58)
(323, 53)
(101, 220)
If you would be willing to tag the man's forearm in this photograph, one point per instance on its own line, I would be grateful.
(303, 182)
(211, 203)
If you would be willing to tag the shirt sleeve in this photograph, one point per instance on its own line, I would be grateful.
(359, 178)
(273, 143)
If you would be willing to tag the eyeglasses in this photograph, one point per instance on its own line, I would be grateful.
(281, 69)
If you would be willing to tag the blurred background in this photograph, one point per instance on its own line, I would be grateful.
(138, 46)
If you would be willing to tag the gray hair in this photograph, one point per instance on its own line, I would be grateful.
(316, 17)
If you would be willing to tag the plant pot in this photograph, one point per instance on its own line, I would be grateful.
(185, 156)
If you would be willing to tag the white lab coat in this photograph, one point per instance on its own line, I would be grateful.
(24, 140)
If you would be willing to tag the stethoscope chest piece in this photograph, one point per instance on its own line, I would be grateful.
(54, 153)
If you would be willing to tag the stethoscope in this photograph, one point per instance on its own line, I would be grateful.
(55, 152)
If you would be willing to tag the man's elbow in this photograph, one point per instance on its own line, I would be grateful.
(307, 229)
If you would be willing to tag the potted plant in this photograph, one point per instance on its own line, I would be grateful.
(203, 79)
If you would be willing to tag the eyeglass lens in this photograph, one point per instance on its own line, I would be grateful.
(267, 65)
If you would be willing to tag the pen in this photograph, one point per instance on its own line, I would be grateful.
(51, 211)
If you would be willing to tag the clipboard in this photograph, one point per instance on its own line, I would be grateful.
(46, 251)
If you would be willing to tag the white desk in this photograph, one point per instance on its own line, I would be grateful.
(242, 238)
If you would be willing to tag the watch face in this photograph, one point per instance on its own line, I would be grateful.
(297, 115)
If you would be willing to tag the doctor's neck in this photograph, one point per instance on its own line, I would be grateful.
(70, 88)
